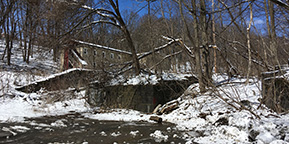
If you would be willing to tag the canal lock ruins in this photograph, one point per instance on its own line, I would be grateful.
(146, 97)
(141, 97)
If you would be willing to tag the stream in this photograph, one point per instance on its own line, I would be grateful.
(76, 129)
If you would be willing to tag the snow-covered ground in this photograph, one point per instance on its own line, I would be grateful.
(15, 105)
(202, 118)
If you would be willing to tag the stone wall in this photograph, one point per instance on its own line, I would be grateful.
(275, 90)
(139, 97)
(73, 78)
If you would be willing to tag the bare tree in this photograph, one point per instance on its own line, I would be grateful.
(249, 43)
(272, 33)
(200, 40)
(114, 18)
(9, 26)
(6, 7)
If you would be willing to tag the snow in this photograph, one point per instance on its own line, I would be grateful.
(8, 130)
(115, 134)
(144, 79)
(239, 125)
(134, 133)
(159, 136)
(202, 118)
(265, 137)
(119, 115)
(39, 64)
(15, 106)
(103, 133)
(16, 109)
(21, 129)
(142, 55)
(56, 75)
(79, 59)
(284, 74)
(103, 47)
(59, 123)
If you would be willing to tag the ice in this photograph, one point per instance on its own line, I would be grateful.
(58, 123)
(115, 134)
(103, 133)
(134, 133)
(21, 129)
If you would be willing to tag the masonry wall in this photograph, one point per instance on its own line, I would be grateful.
(101, 58)
(76, 78)
(139, 97)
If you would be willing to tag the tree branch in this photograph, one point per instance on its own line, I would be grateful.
(167, 56)
(101, 21)
(280, 3)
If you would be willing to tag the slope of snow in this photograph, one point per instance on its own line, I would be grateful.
(240, 124)
(15, 105)
(41, 63)
(203, 118)
(17, 108)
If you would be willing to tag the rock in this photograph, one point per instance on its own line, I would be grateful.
(286, 137)
(253, 134)
(203, 115)
(156, 119)
(222, 121)
(4, 134)
(246, 103)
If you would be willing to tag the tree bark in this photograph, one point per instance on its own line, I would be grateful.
(194, 41)
(273, 45)
(249, 44)
(207, 80)
(214, 36)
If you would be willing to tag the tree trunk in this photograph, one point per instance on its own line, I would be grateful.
(249, 44)
(124, 29)
(55, 42)
(197, 52)
(133, 51)
(194, 41)
(214, 36)
(273, 45)
(207, 79)
(26, 33)
(8, 39)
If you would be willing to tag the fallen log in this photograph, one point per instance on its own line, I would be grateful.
(156, 119)
(169, 107)
(156, 110)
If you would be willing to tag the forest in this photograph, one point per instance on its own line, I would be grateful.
(194, 71)
(240, 37)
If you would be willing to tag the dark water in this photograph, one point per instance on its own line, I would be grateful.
(74, 128)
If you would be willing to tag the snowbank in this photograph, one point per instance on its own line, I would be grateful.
(145, 79)
(203, 118)
(18, 108)
(212, 120)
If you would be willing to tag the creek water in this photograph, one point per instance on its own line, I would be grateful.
(74, 128)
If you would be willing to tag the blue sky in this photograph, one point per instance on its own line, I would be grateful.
(134, 5)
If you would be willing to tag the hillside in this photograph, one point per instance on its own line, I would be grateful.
(210, 117)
